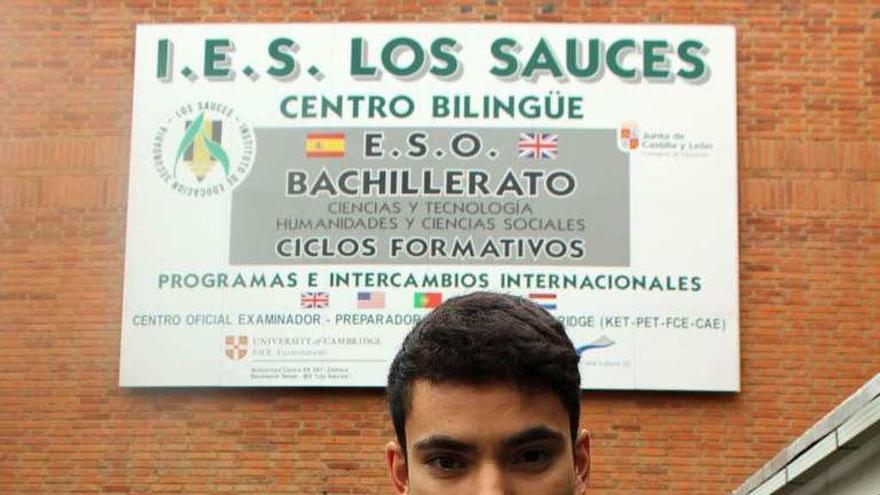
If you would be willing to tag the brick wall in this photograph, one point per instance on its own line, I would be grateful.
(808, 110)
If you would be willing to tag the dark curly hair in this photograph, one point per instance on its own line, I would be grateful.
(486, 337)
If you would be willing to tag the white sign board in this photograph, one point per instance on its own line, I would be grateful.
(301, 194)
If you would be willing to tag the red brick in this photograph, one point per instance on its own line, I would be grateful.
(808, 99)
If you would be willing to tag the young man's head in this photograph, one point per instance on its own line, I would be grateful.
(485, 398)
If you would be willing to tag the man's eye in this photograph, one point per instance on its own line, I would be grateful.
(446, 463)
(533, 458)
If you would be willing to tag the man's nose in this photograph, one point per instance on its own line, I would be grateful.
(491, 481)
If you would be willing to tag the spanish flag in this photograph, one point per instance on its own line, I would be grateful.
(325, 144)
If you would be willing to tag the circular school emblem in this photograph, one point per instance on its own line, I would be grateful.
(204, 149)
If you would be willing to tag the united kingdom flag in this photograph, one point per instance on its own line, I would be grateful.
(314, 300)
(538, 145)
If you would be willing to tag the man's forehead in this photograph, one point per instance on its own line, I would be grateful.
(452, 393)
(480, 413)
(459, 388)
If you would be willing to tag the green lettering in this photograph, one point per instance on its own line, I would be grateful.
(655, 63)
(542, 59)
(357, 59)
(278, 50)
(163, 62)
(308, 106)
(393, 46)
(685, 53)
(216, 58)
(499, 51)
(613, 55)
(572, 59)
(437, 52)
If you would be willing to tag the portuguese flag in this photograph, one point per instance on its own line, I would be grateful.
(427, 299)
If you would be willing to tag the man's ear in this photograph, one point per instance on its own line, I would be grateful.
(397, 468)
(582, 460)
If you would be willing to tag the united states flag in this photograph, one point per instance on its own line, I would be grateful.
(371, 300)
(538, 145)
(314, 300)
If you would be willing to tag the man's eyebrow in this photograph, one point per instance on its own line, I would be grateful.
(532, 434)
(445, 443)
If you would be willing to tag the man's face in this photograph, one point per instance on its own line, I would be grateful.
(488, 439)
